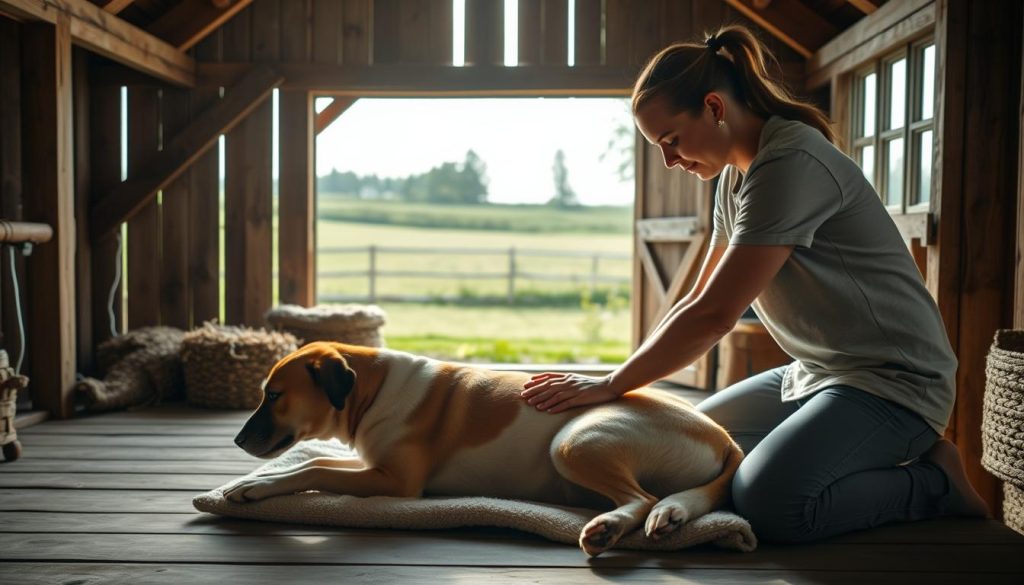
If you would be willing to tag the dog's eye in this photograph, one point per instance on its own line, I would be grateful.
(273, 395)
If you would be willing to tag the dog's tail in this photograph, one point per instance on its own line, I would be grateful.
(719, 490)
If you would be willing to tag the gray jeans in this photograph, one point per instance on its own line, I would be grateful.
(837, 461)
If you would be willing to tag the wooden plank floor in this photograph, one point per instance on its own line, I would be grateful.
(107, 499)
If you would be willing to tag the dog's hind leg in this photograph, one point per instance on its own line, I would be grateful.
(595, 465)
(677, 509)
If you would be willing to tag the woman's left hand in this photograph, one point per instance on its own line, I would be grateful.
(557, 392)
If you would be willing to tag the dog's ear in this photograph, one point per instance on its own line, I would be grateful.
(335, 377)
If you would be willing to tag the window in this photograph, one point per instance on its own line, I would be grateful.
(893, 126)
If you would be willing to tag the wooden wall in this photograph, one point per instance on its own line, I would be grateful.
(971, 269)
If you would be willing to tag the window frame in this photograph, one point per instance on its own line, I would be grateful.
(910, 132)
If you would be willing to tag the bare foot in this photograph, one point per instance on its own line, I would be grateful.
(965, 500)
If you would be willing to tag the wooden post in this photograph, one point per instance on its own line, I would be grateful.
(174, 224)
(83, 245)
(144, 227)
(512, 275)
(48, 175)
(296, 203)
(248, 202)
(373, 273)
(204, 208)
(485, 37)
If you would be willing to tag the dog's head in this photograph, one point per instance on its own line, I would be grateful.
(301, 399)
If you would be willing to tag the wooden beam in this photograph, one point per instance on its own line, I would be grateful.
(191, 21)
(105, 34)
(791, 22)
(865, 6)
(332, 112)
(892, 24)
(296, 202)
(48, 178)
(201, 134)
(399, 80)
(113, 6)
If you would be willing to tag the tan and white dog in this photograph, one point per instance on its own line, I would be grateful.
(424, 427)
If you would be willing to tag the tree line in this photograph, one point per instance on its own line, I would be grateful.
(449, 183)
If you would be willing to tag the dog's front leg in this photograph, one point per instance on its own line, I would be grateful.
(353, 482)
(352, 463)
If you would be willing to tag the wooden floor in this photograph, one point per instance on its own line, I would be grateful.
(107, 499)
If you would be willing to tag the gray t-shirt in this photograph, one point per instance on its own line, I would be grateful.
(849, 304)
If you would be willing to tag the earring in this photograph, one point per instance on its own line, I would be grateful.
(721, 124)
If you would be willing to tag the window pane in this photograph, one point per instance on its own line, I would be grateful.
(868, 91)
(866, 159)
(924, 167)
(927, 82)
(894, 172)
(898, 93)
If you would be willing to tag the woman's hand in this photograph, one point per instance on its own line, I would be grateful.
(558, 392)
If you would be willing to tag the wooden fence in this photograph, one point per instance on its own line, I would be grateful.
(512, 274)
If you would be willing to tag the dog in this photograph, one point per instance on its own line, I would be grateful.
(426, 427)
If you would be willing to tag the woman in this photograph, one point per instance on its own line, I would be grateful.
(848, 436)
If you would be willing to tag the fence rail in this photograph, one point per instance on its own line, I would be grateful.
(512, 274)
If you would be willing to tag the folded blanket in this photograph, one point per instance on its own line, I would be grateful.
(557, 523)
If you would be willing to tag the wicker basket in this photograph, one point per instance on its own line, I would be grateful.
(353, 324)
(1013, 507)
(224, 366)
(1002, 423)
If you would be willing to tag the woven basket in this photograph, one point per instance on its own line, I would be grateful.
(1002, 423)
(1013, 507)
(224, 366)
(352, 324)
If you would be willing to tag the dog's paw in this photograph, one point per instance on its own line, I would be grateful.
(600, 534)
(250, 490)
(666, 517)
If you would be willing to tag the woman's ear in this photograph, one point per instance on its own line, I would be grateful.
(716, 105)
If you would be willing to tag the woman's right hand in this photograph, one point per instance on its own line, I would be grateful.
(555, 392)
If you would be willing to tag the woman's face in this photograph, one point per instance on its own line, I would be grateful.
(695, 144)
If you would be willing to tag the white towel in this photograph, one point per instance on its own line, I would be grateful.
(557, 523)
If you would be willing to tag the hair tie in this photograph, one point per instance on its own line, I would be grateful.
(713, 43)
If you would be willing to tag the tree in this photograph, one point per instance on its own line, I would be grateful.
(473, 179)
(564, 195)
(620, 150)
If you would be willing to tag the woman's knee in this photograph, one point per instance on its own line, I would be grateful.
(774, 505)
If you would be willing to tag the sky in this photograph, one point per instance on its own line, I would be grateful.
(515, 137)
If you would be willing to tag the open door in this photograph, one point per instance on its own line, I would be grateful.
(673, 222)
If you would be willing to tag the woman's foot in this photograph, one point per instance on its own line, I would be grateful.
(965, 501)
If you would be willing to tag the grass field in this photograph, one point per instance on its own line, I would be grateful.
(508, 334)
(333, 234)
(510, 218)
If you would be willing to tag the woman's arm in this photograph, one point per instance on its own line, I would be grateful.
(741, 274)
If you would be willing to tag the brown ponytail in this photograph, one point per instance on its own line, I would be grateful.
(731, 60)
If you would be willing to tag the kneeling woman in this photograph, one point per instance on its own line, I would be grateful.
(848, 436)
